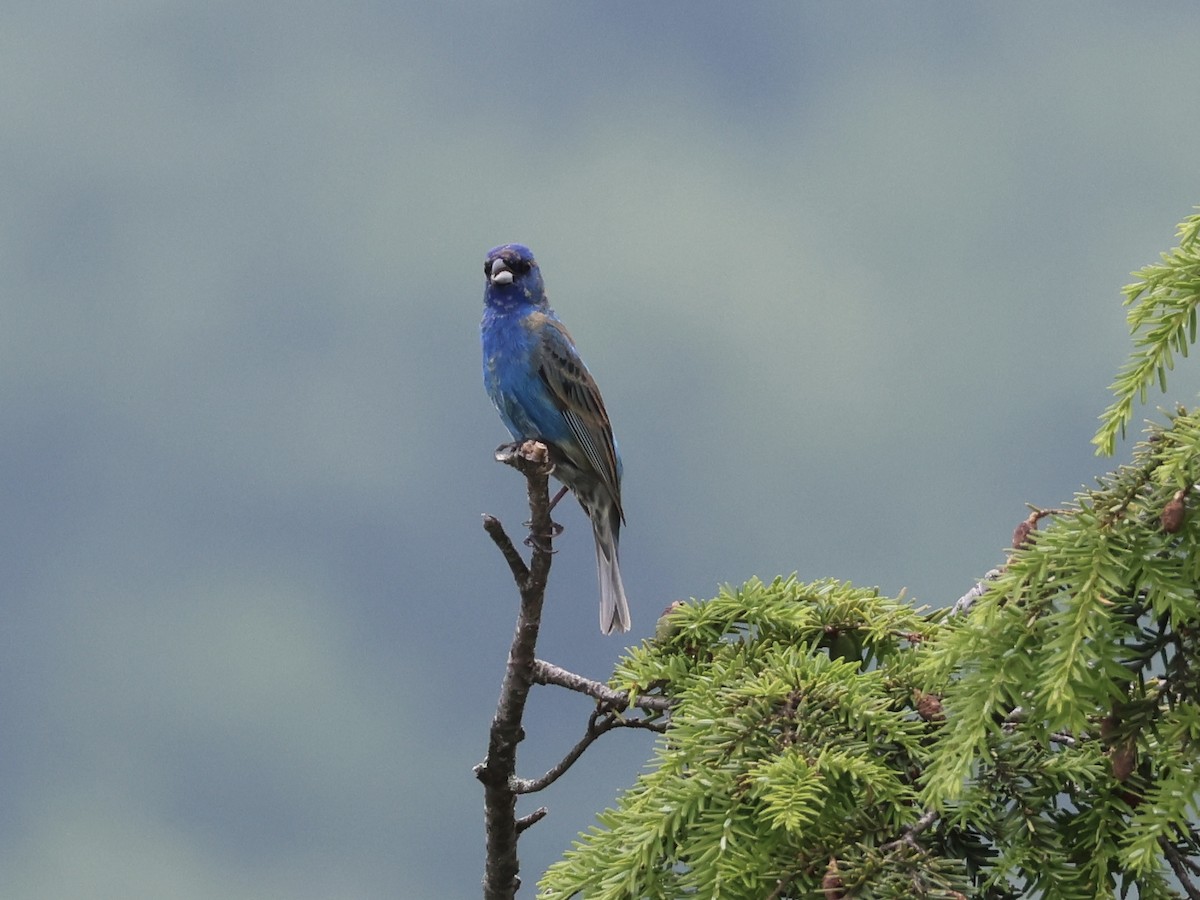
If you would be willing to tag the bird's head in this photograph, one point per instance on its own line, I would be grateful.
(513, 277)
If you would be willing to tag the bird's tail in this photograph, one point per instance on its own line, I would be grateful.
(614, 608)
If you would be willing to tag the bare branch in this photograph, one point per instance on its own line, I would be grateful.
(596, 726)
(497, 771)
(963, 604)
(548, 673)
(599, 723)
(495, 530)
(1183, 868)
(532, 819)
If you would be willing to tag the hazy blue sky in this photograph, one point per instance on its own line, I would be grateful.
(848, 275)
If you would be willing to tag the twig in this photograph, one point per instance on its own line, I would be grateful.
(910, 833)
(599, 723)
(495, 531)
(594, 730)
(1180, 865)
(548, 673)
(1021, 537)
(497, 771)
(963, 604)
(1018, 714)
(532, 819)
(780, 886)
(1186, 860)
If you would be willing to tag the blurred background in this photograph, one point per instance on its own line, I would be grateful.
(848, 275)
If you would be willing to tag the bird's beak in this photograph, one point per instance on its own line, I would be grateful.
(501, 274)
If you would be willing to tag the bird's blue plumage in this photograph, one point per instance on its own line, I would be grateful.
(543, 391)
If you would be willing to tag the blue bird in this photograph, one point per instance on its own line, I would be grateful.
(544, 392)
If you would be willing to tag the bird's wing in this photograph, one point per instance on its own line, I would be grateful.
(577, 397)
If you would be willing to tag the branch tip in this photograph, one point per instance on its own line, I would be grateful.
(530, 458)
(532, 819)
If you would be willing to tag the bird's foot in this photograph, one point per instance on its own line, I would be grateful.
(543, 541)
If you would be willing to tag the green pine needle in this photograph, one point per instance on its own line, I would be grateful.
(1162, 320)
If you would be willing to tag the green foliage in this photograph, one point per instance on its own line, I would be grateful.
(1045, 741)
(1162, 318)
(1072, 696)
(796, 739)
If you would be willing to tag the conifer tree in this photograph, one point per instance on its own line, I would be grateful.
(1041, 737)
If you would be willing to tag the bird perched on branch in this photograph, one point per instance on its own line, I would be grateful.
(544, 392)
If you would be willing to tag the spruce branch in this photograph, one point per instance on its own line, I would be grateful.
(1162, 320)
(1040, 738)
(1023, 535)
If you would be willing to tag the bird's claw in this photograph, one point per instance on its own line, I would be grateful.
(543, 541)
(555, 528)
(539, 542)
